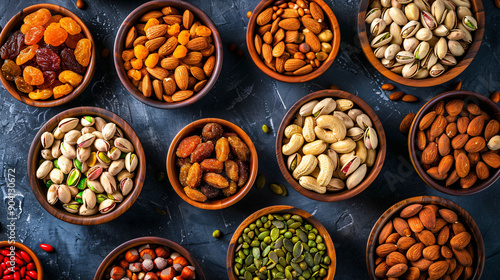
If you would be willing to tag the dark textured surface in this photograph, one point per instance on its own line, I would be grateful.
(250, 99)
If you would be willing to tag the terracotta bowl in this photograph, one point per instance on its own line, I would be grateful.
(373, 171)
(111, 257)
(173, 173)
(394, 210)
(334, 27)
(40, 190)
(34, 258)
(14, 24)
(463, 63)
(132, 18)
(485, 104)
(281, 209)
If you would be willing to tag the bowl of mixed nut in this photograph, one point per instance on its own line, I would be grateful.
(212, 163)
(330, 145)
(168, 54)
(425, 237)
(149, 258)
(293, 41)
(282, 241)
(454, 142)
(47, 56)
(421, 43)
(87, 166)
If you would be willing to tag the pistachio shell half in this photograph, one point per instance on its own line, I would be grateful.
(411, 69)
(410, 29)
(44, 169)
(47, 139)
(324, 107)
(370, 138)
(107, 206)
(428, 20)
(372, 15)
(356, 177)
(126, 186)
(344, 118)
(470, 23)
(377, 26)
(422, 50)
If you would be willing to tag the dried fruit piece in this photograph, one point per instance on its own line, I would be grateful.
(215, 180)
(72, 40)
(152, 60)
(210, 192)
(11, 48)
(70, 77)
(55, 36)
(33, 76)
(39, 17)
(195, 195)
(10, 70)
(70, 25)
(47, 59)
(202, 151)
(83, 52)
(243, 173)
(222, 149)
(41, 94)
(26, 54)
(49, 77)
(194, 175)
(34, 35)
(239, 148)
(22, 85)
(62, 90)
(180, 51)
(232, 189)
(212, 131)
(69, 61)
(187, 146)
(232, 170)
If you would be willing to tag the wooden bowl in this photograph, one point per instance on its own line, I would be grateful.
(34, 258)
(281, 209)
(372, 173)
(334, 27)
(111, 257)
(132, 18)
(477, 9)
(40, 190)
(464, 217)
(173, 173)
(487, 105)
(14, 24)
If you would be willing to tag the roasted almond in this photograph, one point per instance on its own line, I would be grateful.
(463, 257)
(158, 72)
(393, 238)
(209, 66)
(303, 70)
(316, 11)
(482, 171)
(155, 43)
(459, 141)
(454, 107)
(156, 31)
(149, 15)
(415, 224)
(395, 258)
(200, 85)
(460, 241)
(182, 95)
(432, 252)
(158, 89)
(147, 88)
(412, 273)
(428, 217)
(469, 180)
(181, 76)
(169, 86)
(197, 44)
(397, 270)
(278, 37)
(405, 242)
(168, 47)
(495, 96)
(387, 87)
(427, 120)
(409, 98)
(434, 173)
(446, 164)
(415, 252)
(401, 226)
(267, 53)
(279, 49)
(446, 252)
(291, 36)
(438, 269)
(192, 58)
(421, 140)
(265, 16)
(313, 42)
(440, 223)
(458, 227)
(131, 35)
(491, 159)
(187, 19)
(451, 130)
(385, 249)
(474, 109)
(381, 270)
(312, 25)
(289, 24)
(475, 144)
(462, 124)
(410, 210)
(462, 165)
(397, 95)
(491, 129)
(385, 232)
(443, 236)
(430, 153)
(444, 145)
(475, 127)
(422, 264)
(258, 44)
(438, 126)
(172, 19)
(169, 63)
(452, 178)
(448, 215)
(405, 125)
(439, 108)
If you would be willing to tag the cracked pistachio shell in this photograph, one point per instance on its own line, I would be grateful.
(87, 121)
(118, 133)
(334, 157)
(424, 34)
(412, 11)
(441, 48)
(99, 123)
(398, 16)
(335, 185)
(421, 74)
(450, 5)
(449, 60)
(391, 51)
(94, 172)
(436, 70)
(450, 20)
(108, 131)
(363, 121)
(72, 207)
(395, 31)
(441, 31)
(102, 145)
(411, 69)
(107, 206)
(344, 104)
(63, 193)
(468, 35)
(56, 149)
(381, 40)
(68, 150)
(98, 135)
(387, 63)
(356, 133)
(95, 186)
(380, 51)
(344, 158)
(470, 23)
(372, 15)
(86, 140)
(56, 176)
(116, 167)
(428, 20)
(422, 50)
(82, 154)
(124, 174)
(430, 60)
(126, 186)
(131, 162)
(356, 177)
(47, 154)
(73, 177)
(88, 198)
(67, 124)
(306, 109)
(438, 10)
(456, 34)
(65, 164)
(397, 68)
(462, 3)
(124, 145)
(405, 57)
(410, 44)
(350, 166)
(116, 196)
(87, 130)
(371, 138)
(108, 182)
(354, 113)
(377, 26)
(114, 153)
(47, 139)
(344, 118)
(84, 211)
(422, 5)
(72, 136)
(103, 158)
(410, 29)
(455, 48)
(44, 169)
(343, 146)
(462, 12)
(52, 194)
(324, 107)
(293, 161)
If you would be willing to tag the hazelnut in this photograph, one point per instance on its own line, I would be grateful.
(132, 256)
(304, 48)
(117, 273)
(135, 267)
(179, 263)
(160, 263)
(162, 252)
(124, 264)
(168, 273)
(148, 254)
(147, 265)
(187, 273)
(151, 276)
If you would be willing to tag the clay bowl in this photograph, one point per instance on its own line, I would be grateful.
(463, 63)
(463, 217)
(132, 19)
(372, 173)
(195, 128)
(40, 190)
(468, 96)
(111, 257)
(14, 24)
(251, 29)
(34, 258)
(281, 209)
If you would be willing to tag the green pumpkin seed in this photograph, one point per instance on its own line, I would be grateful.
(262, 235)
(288, 244)
(261, 181)
(248, 275)
(295, 225)
(275, 233)
(251, 268)
(249, 260)
(288, 274)
(282, 261)
(280, 252)
(298, 259)
(301, 234)
(275, 188)
(271, 266)
(297, 249)
(309, 259)
(283, 189)
(273, 257)
(288, 257)
(327, 260)
(297, 268)
(266, 251)
(279, 243)
(317, 258)
(278, 224)
(256, 253)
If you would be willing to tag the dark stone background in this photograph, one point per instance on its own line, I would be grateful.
(247, 97)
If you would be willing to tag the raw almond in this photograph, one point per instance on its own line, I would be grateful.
(158, 89)
(312, 25)
(158, 72)
(491, 159)
(385, 249)
(451, 130)
(469, 180)
(462, 124)
(451, 118)
(265, 16)
(168, 47)
(476, 126)
(187, 19)
(448, 215)
(292, 48)
(141, 40)
(258, 44)
(460, 241)
(439, 108)
(475, 144)
(385, 232)
(209, 66)
(409, 98)
(444, 145)
(443, 236)
(491, 129)
(156, 31)
(169, 63)
(170, 11)
(474, 158)
(149, 15)
(172, 19)
(459, 141)
(146, 86)
(463, 257)
(290, 13)
(446, 252)
(405, 125)
(473, 109)
(181, 76)
(267, 53)
(434, 173)
(432, 252)
(495, 96)
(405, 242)
(458, 227)
(482, 171)
(401, 226)
(198, 73)
(452, 178)
(422, 264)
(263, 29)
(397, 270)
(291, 36)
(192, 58)
(268, 38)
(397, 95)
(438, 269)
(427, 120)
(415, 252)
(462, 165)
(131, 35)
(280, 62)
(313, 42)
(395, 258)
(182, 95)
(428, 217)
(446, 164)
(197, 44)
(275, 25)
(438, 126)
(412, 273)
(278, 36)
(410, 210)
(279, 49)
(381, 269)
(293, 64)
(415, 224)
(155, 43)
(440, 223)
(289, 24)
(430, 153)
(393, 238)
(316, 11)
(303, 70)
(422, 140)
(169, 86)
(387, 87)
(200, 85)
(454, 107)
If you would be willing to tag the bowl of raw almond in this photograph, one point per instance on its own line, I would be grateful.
(425, 237)
(293, 41)
(168, 54)
(454, 142)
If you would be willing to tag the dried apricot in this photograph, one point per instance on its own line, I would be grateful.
(62, 90)
(72, 40)
(232, 170)
(127, 65)
(195, 195)
(194, 175)
(183, 172)
(239, 148)
(210, 192)
(33, 76)
(53, 25)
(174, 29)
(212, 165)
(136, 63)
(40, 94)
(187, 146)
(232, 189)
(53, 19)
(128, 55)
(183, 37)
(152, 60)
(25, 28)
(134, 74)
(70, 25)
(55, 36)
(141, 52)
(70, 77)
(83, 52)
(243, 173)
(180, 51)
(202, 151)
(39, 17)
(151, 22)
(222, 149)
(10, 70)
(34, 35)
(215, 180)
(26, 54)
(22, 85)
(212, 131)
(203, 31)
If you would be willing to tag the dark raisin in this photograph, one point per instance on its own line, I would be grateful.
(69, 61)
(212, 131)
(47, 59)
(55, 49)
(72, 40)
(210, 191)
(12, 46)
(48, 79)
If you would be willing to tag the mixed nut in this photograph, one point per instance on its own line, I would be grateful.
(88, 165)
(459, 143)
(424, 242)
(169, 53)
(16, 264)
(330, 145)
(293, 37)
(416, 39)
(281, 247)
(151, 262)
(211, 171)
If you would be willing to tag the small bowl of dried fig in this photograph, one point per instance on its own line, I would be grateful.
(425, 237)
(454, 141)
(212, 163)
(293, 41)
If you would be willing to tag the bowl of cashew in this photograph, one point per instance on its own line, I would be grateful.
(330, 145)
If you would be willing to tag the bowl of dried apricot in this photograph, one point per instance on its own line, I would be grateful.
(47, 56)
(168, 54)
(212, 163)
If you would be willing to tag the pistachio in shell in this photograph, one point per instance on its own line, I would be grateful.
(371, 138)
(108, 131)
(82, 154)
(412, 11)
(73, 177)
(108, 182)
(449, 60)
(131, 162)
(107, 206)
(422, 50)
(382, 39)
(455, 48)
(356, 133)
(47, 139)
(411, 69)
(428, 20)
(293, 161)
(410, 29)
(86, 140)
(372, 14)
(422, 5)
(56, 176)
(100, 123)
(395, 31)
(89, 199)
(87, 121)
(68, 150)
(67, 124)
(72, 136)
(410, 44)
(344, 118)
(364, 121)
(72, 207)
(65, 164)
(95, 186)
(63, 193)
(84, 211)
(438, 10)
(116, 166)
(126, 186)
(114, 153)
(52, 194)
(436, 70)
(356, 177)
(335, 184)
(405, 57)
(398, 16)
(441, 31)
(350, 166)
(391, 51)
(334, 157)
(102, 145)
(422, 73)
(124, 145)
(380, 51)
(424, 34)
(451, 20)
(441, 48)
(377, 26)
(354, 113)
(44, 169)
(324, 107)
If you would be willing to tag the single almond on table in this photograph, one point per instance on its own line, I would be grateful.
(405, 125)
(397, 95)
(409, 98)
(387, 87)
(495, 96)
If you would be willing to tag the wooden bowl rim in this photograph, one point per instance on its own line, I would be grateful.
(414, 128)
(110, 258)
(173, 175)
(282, 209)
(450, 74)
(463, 215)
(34, 257)
(335, 28)
(96, 219)
(132, 18)
(87, 77)
(375, 169)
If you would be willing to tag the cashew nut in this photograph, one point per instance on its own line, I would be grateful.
(294, 145)
(326, 170)
(310, 183)
(336, 129)
(306, 166)
(308, 129)
(292, 129)
(314, 148)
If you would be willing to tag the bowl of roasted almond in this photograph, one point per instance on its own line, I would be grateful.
(168, 54)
